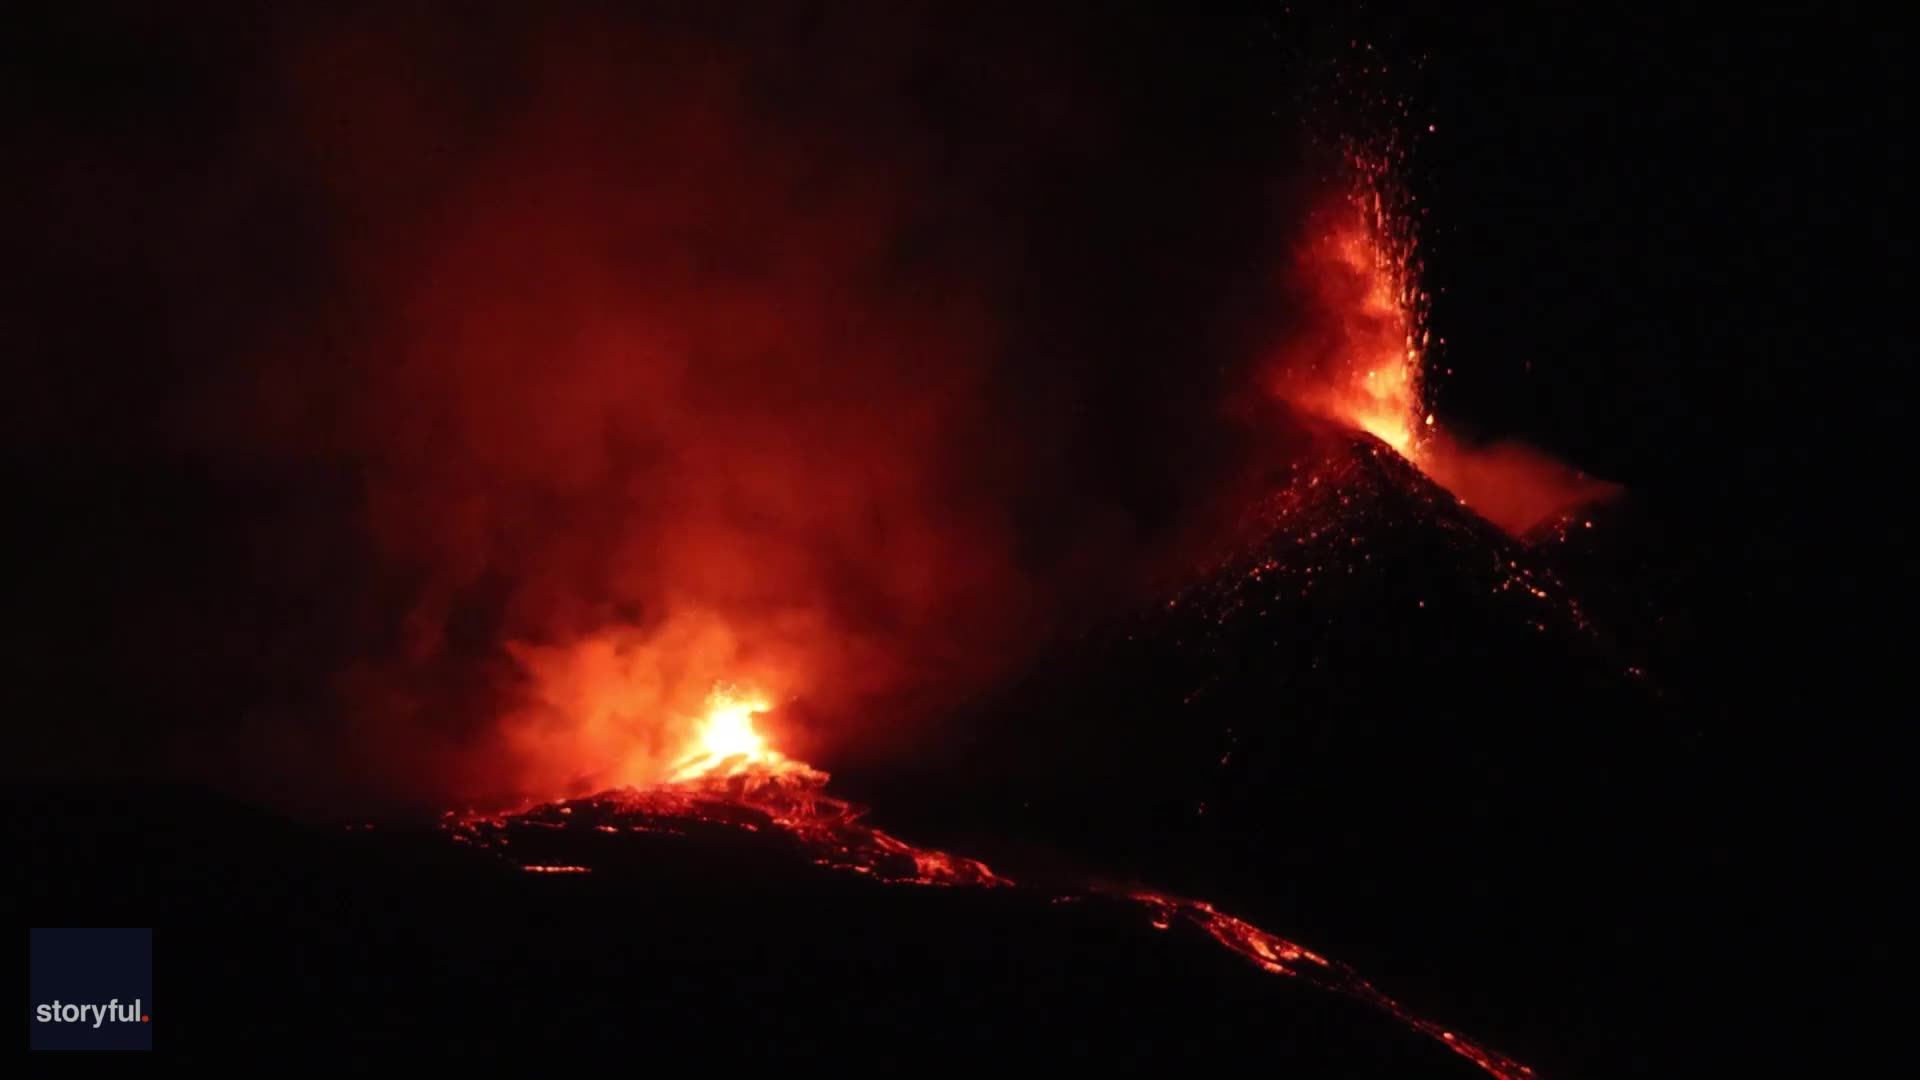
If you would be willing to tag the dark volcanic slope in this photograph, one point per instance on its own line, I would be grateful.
(719, 946)
(1371, 674)
(1367, 629)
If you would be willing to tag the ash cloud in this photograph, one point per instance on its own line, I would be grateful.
(853, 354)
(1514, 485)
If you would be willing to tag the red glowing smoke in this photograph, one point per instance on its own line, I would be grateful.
(656, 358)
(1511, 484)
(706, 390)
(499, 388)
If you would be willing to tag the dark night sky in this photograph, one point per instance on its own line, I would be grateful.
(1661, 250)
(1666, 247)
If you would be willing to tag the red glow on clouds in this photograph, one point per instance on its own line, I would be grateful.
(671, 388)
(1511, 484)
(661, 358)
(639, 357)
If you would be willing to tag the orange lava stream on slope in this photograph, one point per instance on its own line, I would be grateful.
(1282, 957)
(733, 780)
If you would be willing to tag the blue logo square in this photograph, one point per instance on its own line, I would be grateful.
(92, 989)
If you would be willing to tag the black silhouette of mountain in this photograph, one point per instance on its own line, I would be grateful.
(1384, 728)
(1378, 727)
(356, 944)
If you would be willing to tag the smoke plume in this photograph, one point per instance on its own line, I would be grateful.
(442, 407)
(502, 384)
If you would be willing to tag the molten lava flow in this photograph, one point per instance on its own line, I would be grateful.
(733, 783)
(1282, 957)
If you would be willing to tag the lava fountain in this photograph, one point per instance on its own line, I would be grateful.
(1364, 363)
(727, 744)
(1366, 371)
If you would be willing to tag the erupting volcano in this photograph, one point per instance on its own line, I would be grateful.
(1366, 366)
(732, 780)
(931, 517)
(1363, 371)
(728, 744)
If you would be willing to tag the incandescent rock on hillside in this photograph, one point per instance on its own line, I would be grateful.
(692, 938)
(1367, 673)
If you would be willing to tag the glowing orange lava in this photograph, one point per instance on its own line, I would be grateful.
(1374, 382)
(732, 779)
(1365, 364)
(1282, 957)
(727, 744)
(1362, 363)
(730, 776)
